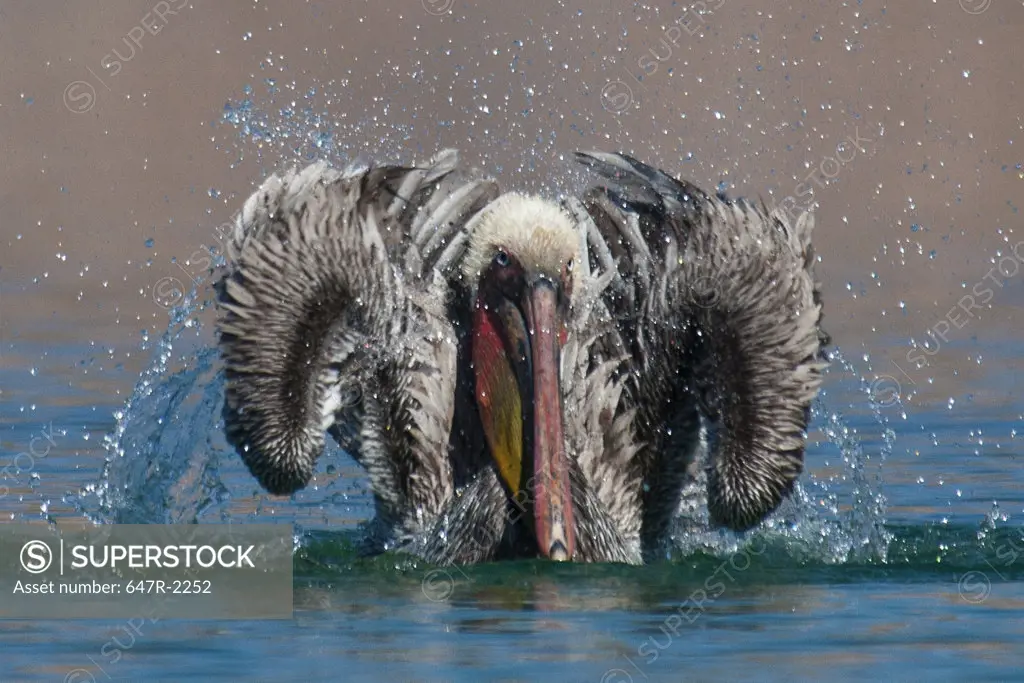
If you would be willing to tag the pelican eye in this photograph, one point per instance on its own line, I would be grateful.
(568, 266)
(501, 258)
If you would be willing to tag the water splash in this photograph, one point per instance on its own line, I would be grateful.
(168, 460)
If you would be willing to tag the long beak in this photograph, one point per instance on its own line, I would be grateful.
(552, 500)
(516, 355)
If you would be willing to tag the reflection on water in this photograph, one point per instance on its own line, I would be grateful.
(891, 550)
(835, 582)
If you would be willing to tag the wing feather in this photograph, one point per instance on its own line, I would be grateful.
(331, 319)
(721, 302)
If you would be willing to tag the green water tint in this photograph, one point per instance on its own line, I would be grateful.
(958, 555)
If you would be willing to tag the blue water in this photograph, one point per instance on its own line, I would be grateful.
(897, 559)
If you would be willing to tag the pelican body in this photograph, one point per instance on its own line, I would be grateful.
(520, 377)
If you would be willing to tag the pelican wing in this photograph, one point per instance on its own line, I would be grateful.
(717, 305)
(332, 315)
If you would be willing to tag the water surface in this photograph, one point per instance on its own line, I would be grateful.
(897, 558)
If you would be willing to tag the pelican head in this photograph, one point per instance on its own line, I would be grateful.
(520, 263)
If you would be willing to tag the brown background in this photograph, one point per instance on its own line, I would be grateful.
(755, 98)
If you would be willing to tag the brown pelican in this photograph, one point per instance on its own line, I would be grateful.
(521, 377)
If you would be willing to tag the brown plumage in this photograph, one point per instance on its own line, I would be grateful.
(518, 377)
